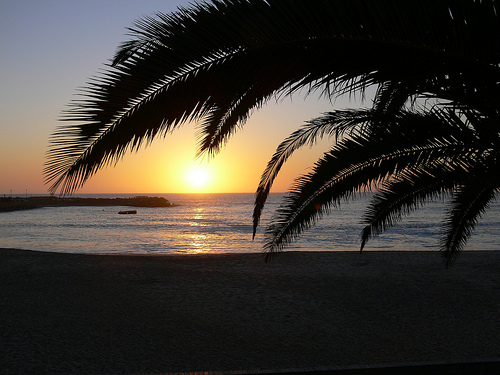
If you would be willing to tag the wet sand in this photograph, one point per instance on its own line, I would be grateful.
(62, 313)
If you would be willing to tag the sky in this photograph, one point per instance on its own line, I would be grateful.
(49, 48)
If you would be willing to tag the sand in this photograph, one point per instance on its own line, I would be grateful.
(62, 313)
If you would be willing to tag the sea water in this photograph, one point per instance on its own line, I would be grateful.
(219, 223)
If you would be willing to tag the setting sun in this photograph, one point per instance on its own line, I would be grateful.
(198, 177)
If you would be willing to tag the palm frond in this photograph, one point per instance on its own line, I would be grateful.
(400, 129)
(413, 187)
(416, 155)
(468, 204)
(351, 166)
(331, 124)
(405, 193)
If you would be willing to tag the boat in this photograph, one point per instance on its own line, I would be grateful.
(127, 212)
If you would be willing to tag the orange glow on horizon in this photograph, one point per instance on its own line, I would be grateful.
(165, 166)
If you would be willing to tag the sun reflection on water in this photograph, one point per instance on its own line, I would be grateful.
(197, 217)
(199, 243)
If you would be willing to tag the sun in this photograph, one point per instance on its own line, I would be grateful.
(198, 177)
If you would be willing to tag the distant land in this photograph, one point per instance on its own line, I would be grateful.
(18, 203)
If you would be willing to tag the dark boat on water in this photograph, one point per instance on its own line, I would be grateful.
(127, 212)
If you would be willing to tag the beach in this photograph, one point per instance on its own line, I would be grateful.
(124, 314)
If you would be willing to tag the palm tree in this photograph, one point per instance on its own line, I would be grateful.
(216, 62)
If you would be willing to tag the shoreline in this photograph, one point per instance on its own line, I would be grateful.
(260, 253)
(79, 313)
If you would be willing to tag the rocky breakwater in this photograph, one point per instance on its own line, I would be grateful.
(18, 203)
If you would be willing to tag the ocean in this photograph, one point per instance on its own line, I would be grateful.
(219, 223)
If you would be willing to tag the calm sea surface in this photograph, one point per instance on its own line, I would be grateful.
(217, 223)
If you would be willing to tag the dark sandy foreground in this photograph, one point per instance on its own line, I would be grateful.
(62, 313)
